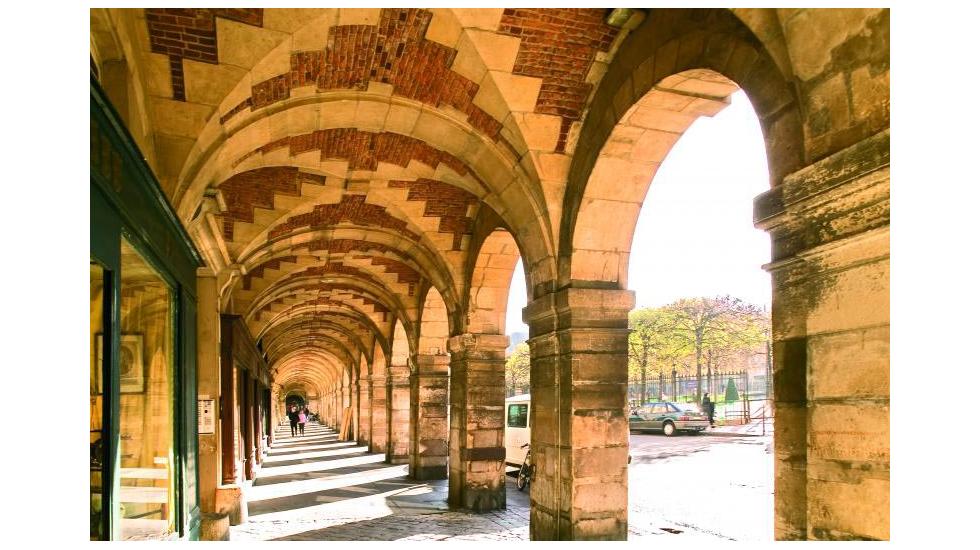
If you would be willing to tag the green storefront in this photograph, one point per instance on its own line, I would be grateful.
(143, 383)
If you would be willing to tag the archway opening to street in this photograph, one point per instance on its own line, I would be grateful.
(699, 346)
(294, 400)
(692, 157)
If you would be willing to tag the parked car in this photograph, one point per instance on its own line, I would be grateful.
(668, 417)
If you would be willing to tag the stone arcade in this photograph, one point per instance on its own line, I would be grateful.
(355, 187)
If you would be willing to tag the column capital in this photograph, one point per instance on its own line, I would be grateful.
(580, 308)
(462, 343)
(398, 374)
(838, 197)
(433, 365)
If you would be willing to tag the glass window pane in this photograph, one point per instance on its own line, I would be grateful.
(96, 436)
(146, 409)
(517, 416)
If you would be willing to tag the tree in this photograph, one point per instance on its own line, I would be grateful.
(650, 343)
(517, 370)
(731, 392)
(716, 325)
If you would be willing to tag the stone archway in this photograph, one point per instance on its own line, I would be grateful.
(477, 385)
(295, 399)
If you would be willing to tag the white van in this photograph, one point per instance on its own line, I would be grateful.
(517, 428)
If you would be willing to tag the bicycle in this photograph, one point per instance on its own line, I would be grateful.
(527, 470)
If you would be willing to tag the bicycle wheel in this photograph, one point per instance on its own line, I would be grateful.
(524, 476)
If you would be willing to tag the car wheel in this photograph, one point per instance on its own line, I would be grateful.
(668, 429)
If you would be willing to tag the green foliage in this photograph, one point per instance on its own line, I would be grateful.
(731, 392)
(517, 370)
(693, 332)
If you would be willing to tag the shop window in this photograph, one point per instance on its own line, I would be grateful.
(146, 402)
(97, 437)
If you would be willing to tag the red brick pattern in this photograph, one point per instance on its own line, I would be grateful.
(353, 290)
(323, 301)
(258, 271)
(558, 46)
(245, 192)
(343, 246)
(334, 268)
(406, 274)
(447, 202)
(393, 52)
(352, 209)
(190, 33)
(363, 150)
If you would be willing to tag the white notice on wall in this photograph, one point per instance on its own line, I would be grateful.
(205, 416)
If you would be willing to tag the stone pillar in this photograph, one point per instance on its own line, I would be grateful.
(248, 424)
(355, 418)
(364, 412)
(476, 429)
(829, 224)
(430, 424)
(273, 416)
(208, 385)
(398, 414)
(379, 414)
(345, 397)
(230, 410)
(338, 407)
(256, 422)
(579, 422)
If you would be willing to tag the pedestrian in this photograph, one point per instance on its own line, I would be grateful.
(302, 421)
(306, 411)
(293, 419)
(708, 408)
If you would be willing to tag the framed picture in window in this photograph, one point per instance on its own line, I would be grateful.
(131, 369)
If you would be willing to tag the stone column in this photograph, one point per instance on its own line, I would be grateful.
(338, 407)
(248, 424)
(398, 414)
(257, 422)
(355, 398)
(364, 412)
(476, 429)
(346, 402)
(208, 384)
(273, 416)
(579, 422)
(379, 413)
(430, 422)
(829, 224)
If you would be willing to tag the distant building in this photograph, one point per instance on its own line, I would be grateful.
(515, 339)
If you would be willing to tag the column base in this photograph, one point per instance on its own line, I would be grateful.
(215, 527)
(230, 500)
(479, 499)
(427, 473)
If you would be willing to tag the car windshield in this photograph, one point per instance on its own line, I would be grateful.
(685, 407)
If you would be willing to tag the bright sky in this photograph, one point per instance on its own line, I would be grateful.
(695, 235)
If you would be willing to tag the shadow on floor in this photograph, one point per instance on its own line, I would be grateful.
(355, 487)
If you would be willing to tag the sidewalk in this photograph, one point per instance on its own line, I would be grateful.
(754, 428)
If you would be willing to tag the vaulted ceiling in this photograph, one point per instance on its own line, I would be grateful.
(333, 165)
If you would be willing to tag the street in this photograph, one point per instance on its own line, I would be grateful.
(717, 486)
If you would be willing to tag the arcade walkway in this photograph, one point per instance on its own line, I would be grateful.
(315, 487)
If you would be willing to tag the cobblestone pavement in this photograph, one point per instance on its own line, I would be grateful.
(317, 488)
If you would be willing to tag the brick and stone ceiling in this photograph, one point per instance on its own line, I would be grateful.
(348, 152)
